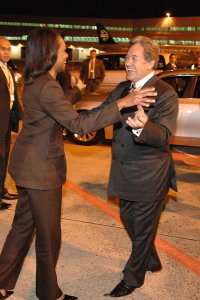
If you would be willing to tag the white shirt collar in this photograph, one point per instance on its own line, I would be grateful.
(2, 64)
(142, 81)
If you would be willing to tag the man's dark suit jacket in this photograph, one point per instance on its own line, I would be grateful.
(99, 71)
(142, 168)
(38, 159)
(5, 106)
(169, 67)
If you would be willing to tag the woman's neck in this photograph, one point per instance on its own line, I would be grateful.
(53, 73)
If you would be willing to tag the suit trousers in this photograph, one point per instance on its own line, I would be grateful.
(4, 156)
(141, 221)
(37, 212)
(92, 86)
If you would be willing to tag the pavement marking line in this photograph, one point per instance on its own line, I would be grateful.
(192, 161)
(178, 255)
(94, 200)
(184, 259)
(185, 153)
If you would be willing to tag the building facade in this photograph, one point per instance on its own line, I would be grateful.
(179, 35)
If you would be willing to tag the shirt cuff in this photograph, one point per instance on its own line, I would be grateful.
(137, 132)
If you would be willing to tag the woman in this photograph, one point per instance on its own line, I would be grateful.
(38, 165)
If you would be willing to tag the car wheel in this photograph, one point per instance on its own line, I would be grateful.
(91, 138)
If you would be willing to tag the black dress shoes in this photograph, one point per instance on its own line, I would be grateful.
(68, 297)
(122, 289)
(3, 205)
(8, 294)
(8, 196)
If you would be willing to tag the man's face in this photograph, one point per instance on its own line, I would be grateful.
(173, 59)
(93, 55)
(5, 50)
(136, 66)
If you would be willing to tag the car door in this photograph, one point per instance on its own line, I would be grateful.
(188, 121)
(114, 70)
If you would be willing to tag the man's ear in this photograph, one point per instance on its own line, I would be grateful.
(151, 64)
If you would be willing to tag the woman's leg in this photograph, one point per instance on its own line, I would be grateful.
(17, 242)
(46, 209)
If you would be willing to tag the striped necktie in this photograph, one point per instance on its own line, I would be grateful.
(132, 87)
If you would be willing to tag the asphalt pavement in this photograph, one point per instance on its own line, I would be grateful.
(95, 245)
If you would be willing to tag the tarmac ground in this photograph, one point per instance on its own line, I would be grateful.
(95, 245)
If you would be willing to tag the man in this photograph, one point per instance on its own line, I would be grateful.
(142, 168)
(9, 117)
(172, 63)
(196, 65)
(92, 73)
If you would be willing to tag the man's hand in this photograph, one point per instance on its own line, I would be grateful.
(139, 120)
(138, 97)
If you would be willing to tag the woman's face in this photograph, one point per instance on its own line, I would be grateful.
(62, 56)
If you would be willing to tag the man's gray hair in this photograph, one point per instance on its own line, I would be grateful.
(151, 48)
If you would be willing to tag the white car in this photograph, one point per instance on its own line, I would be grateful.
(187, 132)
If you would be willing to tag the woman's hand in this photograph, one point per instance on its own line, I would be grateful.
(143, 97)
(80, 84)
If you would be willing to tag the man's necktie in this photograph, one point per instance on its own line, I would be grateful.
(92, 69)
(132, 87)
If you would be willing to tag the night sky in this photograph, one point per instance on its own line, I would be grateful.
(102, 8)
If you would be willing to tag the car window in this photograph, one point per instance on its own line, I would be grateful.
(113, 62)
(121, 63)
(197, 88)
(179, 83)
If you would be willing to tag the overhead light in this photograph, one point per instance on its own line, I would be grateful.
(71, 47)
(168, 14)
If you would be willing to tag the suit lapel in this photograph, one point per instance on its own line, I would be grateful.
(3, 76)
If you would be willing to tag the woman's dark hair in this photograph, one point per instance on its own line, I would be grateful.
(41, 53)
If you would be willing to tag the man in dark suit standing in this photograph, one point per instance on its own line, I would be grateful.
(172, 63)
(9, 117)
(142, 169)
(92, 73)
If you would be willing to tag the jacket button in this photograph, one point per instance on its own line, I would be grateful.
(122, 145)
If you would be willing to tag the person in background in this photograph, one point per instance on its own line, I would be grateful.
(172, 63)
(92, 73)
(38, 163)
(142, 168)
(10, 114)
(197, 64)
(72, 93)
